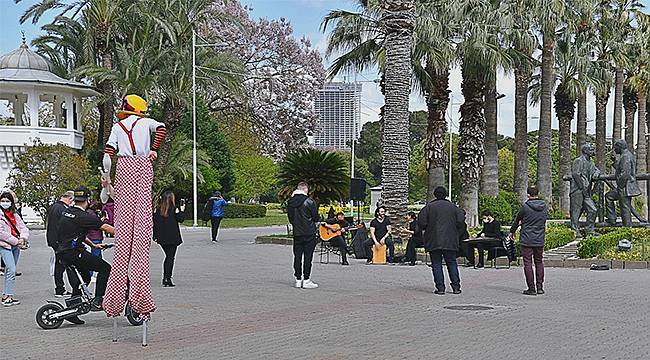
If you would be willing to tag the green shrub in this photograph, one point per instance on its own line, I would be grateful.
(274, 206)
(606, 246)
(595, 246)
(244, 211)
(556, 214)
(558, 235)
(503, 207)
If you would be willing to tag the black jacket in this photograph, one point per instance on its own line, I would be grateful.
(532, 219)
(166, 230)
(53, 217)
(492, 229)
(443, 224)
(303, 214)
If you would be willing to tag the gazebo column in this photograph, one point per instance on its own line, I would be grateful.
(69, 108)
(33, 103)
(57, 112)
(19, 107)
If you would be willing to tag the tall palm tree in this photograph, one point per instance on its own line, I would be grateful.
(490, 173)
(479, 52)
(630, 106)
(398, 17)
(551, 17)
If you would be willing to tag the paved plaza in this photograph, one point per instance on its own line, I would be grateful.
(235, 300)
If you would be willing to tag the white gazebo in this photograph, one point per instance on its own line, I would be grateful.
(36, 104)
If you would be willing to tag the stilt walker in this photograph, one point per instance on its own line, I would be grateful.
(130, 140)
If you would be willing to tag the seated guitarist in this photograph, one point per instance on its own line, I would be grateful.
(339, 241)
(415, 240)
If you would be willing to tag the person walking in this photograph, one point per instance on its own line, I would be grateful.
(14, 236)
(52, 237)
(166, 231)
(532, 218)
(443, 224)
(303, 216)
(218, 206)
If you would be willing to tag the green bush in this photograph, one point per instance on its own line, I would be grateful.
(233, 211)
(274, 206)
(504, 206)
(606, 245)
(556, 214)
(558, 235)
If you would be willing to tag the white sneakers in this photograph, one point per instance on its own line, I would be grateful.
(306, 284)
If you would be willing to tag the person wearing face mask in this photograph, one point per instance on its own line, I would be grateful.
(491, 229)
(51, 235)
(13, 236)
(73, 230)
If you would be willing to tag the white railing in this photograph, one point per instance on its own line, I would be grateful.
(26, 135)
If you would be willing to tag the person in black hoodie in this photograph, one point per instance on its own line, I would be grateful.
(52, 236)
(166, 231)
(303, 216)
(532, 218)
(491, 229)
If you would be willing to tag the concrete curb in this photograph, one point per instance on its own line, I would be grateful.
(551, 263)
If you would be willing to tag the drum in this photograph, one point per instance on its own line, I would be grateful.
(379, 255)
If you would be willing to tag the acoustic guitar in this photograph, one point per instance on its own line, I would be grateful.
(327, 234)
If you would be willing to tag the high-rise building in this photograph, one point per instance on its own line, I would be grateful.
(338, 106)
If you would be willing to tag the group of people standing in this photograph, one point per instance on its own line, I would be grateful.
(439, 227)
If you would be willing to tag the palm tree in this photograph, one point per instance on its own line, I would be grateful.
(479, 52)
(551, 17)
(398, 17)
(326, 173)
(490, 173)
(630, 106)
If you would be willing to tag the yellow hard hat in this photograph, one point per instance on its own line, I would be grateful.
(132, 105)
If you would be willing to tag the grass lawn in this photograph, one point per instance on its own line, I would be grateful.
(273, 217)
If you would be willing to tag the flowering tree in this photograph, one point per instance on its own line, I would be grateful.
(281, 77)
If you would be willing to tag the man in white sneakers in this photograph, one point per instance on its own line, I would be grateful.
(303, 216)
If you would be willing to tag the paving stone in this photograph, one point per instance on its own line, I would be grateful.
(635, 265)
(235, 300)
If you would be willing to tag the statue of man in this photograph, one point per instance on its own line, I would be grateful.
(626, 185)
(583, 174)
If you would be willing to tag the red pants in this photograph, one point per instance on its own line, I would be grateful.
(133, 232)
(528, 254)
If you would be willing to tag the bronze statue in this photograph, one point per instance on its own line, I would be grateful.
(583, 174)
(626, 185)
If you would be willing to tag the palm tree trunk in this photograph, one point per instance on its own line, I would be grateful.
(564, 109)
(398, 18)
(642, 148)
(171, 117)
(470, 147)
(490, 175)
(522, 79)
(581, 123)
(601, 146)
(544, 179)
(618, 104)
(436, 155)
(106, 107)
(629, 104)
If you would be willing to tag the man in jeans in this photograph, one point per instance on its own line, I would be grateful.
(443, 223)
(532, 219)
(303, 216)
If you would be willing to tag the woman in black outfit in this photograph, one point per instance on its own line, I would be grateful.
(166, 231)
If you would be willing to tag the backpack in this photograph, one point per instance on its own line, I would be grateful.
(206, 215)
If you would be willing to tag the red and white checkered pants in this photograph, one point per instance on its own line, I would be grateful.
(133, 232)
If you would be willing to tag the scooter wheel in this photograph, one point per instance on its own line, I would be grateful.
(132, 316)
(43, 316)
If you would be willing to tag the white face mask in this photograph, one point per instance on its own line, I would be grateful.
(5, 204)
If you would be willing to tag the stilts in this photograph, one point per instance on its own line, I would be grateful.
(115, 329)
(145, 324)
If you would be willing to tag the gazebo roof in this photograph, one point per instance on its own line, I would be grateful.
(25, 66)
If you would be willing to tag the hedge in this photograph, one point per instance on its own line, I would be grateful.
(244, 211)
(558, 235)
(606, 245)
(503, 207)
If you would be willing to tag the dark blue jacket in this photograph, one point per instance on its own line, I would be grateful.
(532, 218)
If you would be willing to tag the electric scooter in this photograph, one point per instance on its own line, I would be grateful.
(51, 315)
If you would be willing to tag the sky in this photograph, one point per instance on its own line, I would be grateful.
(305, 17)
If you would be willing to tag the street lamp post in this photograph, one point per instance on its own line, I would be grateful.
(195, 192)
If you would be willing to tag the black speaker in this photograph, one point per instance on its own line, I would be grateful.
(357, 189)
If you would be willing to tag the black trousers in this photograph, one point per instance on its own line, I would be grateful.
(471, 257)
(389, 244)
(86, 262)
(59, 268)
(170, 256)
(303, 246)
(339, 242)
(215, 221)
(412, 244)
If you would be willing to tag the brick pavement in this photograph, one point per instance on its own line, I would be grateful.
(234, 300)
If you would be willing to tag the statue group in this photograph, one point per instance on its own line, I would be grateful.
(585, 174)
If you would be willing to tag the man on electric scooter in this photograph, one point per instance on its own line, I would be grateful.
(73, 228)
